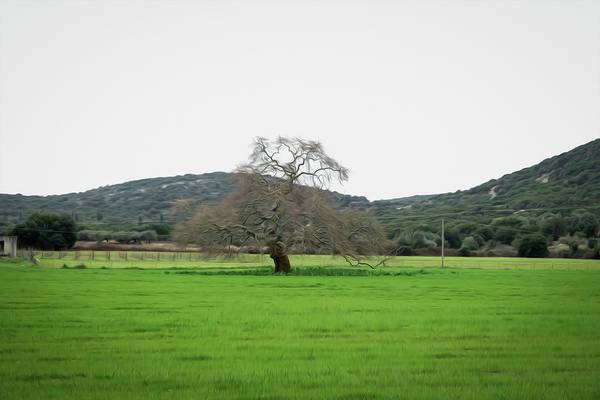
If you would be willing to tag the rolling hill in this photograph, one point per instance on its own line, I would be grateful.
(564, 183)
(125, 203)
(563, 190)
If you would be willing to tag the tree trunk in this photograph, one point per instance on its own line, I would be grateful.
(282, 263)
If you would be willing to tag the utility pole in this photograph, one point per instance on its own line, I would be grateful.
(443, 242)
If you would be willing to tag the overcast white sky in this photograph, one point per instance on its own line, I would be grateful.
(414, 97)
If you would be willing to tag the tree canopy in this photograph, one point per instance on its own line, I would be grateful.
(47, 231)
(280, 206)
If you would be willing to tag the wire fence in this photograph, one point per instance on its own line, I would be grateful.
(135, 255)
(191, 259)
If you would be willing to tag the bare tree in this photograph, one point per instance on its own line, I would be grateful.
(280, 205)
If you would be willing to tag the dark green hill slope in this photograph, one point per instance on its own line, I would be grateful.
(565, 187)
(122, 204)
(568, 181)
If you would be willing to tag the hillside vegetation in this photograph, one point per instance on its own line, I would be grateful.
(146, 200)
(557, 199)
(124, 203)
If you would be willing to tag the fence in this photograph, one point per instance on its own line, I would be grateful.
(117, 255)
(159, 259)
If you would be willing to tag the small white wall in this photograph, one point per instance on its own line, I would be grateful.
(10, 246)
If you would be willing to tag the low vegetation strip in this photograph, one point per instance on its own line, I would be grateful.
(307, 271)
(131, 334)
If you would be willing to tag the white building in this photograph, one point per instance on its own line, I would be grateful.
(8, 246)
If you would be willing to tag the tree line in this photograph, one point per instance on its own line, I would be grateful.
(534, 235)
(56, 231)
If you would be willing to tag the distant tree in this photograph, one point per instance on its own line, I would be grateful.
(103, 236)
(148, 236)
(160, 229)
(6, 229)
(278, 205)
(553, 225)
(533, 245)
(574, 243)
(417, 239)
(485, 232)
(583, 221)
(464, 251)
(47, 231)
(123, 236)
(513, 221)
(424, 239)
(465, 228)
(99, 216)
(453, 238)
(470, 243)
(505, 234)
(85, 235)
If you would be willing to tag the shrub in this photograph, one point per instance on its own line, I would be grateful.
(148, 236)
(553, 225)
(505, 235)
(78, 266)
(470, 243)
(423, 239)
(453, 238)
(573, 242)
(479, 239)
(47, 231)
(583, 221)
(416, 240)
(485, 232)
(465, 228)
(563, 250)
(160, 229)
(533, 245)
(464, 251)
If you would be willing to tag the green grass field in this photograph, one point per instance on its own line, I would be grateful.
(527, 330)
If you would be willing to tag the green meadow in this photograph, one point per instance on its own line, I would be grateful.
(77, 328)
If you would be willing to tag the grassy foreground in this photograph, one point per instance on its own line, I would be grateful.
(451, 334)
